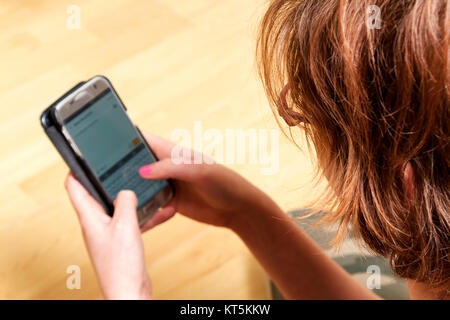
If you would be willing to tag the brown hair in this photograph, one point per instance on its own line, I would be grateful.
(371, 101)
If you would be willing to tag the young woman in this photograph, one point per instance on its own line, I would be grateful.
(374, 102)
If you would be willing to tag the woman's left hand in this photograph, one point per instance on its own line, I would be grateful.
(114, 243)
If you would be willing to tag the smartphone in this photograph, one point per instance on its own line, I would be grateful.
(108, 146)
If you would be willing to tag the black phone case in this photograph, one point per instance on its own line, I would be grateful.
(70, 157)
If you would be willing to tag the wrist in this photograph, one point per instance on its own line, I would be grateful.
(142, 291)
(145, 291)
(255, 216)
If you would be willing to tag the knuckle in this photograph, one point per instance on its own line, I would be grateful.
(202, 171)
(127, 195)
(67, 182)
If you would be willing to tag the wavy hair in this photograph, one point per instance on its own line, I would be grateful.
(371, 101)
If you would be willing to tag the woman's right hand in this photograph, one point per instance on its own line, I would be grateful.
(213, 194)
(209, 193)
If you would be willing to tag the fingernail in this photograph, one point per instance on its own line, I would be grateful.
(145, 171)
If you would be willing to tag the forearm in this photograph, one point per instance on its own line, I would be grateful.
(299, 268)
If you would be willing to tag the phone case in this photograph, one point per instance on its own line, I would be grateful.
(70, 157)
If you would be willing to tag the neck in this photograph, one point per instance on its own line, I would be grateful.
(423, 291)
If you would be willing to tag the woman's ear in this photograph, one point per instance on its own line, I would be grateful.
(408, 181)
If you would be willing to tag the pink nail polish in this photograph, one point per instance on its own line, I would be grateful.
(145, 171)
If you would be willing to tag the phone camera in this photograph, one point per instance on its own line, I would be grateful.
(95, 86)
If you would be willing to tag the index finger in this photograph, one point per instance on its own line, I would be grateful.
(160, 146)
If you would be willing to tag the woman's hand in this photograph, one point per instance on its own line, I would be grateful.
(114, 244)
(208, 193)
(212, 194)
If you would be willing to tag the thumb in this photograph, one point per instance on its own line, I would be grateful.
(125, 208)
(89, 211)
(168, 169)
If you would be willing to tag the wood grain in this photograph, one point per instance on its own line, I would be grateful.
(174, 62)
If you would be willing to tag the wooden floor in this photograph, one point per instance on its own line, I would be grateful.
(173, 62)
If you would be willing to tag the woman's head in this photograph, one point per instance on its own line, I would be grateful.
(375, 104)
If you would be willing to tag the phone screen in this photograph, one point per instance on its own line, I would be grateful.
(112, 147)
